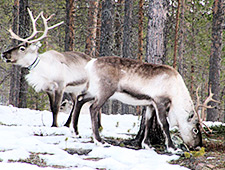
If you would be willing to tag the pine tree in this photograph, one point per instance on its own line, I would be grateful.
(92, 28)
(18, 84)
(69, 31)
(215, 58)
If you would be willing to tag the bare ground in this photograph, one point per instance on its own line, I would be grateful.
(211, 156)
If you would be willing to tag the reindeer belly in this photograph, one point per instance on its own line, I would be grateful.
(131, 99)
(75, 89)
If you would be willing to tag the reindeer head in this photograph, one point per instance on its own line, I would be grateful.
(195, 125)
(23, 54)
(187, 120)
(196, 120)
(193, 138)
(26, 53)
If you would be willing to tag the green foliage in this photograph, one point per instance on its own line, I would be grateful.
(199, 153)
(37, 101)
(195, 154)
(187, 154)
(122, 144)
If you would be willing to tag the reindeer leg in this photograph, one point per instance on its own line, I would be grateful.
(51, 97)
(81, 100)
(94, 109)
(162, 119)
(165, 126)
(99, 120)
(55, 107)
(148, 117)
(73, 97)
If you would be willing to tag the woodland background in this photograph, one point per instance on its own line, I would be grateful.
(186, 34)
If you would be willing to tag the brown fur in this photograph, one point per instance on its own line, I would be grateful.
(116, 64)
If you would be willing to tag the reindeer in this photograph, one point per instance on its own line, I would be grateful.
(159, 87)
(52, 72)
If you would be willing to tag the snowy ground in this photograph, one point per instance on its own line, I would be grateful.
(25, 132)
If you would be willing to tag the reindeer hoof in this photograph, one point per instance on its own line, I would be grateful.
(99, 143)
(145, 146)
(67, 125)
(175, 151)
(54, 125)
(75, 134)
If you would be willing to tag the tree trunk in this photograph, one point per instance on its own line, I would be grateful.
(155, 34)
(181, 42)
(118, 28)
(15, 73)
(92, 28)
(18, 84)
(140, 30)
(98, 30)
(215, 59)
(69, 31)
(23, 32)
(193, 50)
(106, 39)
(176, 35)
(127, 28)
(15, 85)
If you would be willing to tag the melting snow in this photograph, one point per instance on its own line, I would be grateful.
(25, 132)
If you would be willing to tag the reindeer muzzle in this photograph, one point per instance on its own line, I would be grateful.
(6, 57)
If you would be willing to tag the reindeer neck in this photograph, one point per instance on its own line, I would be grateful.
(34, 64)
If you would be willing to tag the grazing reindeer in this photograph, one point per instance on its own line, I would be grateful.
(138, 83)
(52, 72)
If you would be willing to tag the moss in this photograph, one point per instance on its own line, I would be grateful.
(122, 145)
(199, 153)
(187, 154)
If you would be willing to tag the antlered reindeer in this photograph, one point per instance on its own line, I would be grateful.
(159, 87)
(52, 72)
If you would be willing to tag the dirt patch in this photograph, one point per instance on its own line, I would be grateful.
(80, 151)
(34, 159)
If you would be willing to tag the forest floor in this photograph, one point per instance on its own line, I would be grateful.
(213, 156)
(28, 142)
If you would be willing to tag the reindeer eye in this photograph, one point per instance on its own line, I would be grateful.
(191, 115)
(22, 48)
(195, 131)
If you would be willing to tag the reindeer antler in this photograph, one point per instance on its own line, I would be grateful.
(33, 20)
(204, 107)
